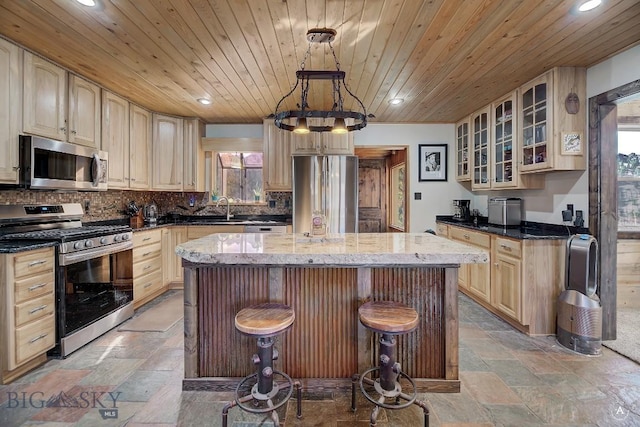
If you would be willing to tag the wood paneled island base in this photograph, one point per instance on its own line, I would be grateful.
(326, 344)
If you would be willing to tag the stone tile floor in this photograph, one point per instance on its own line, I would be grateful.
(508, 379)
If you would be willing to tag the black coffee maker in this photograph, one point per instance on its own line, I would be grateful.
(461, 210)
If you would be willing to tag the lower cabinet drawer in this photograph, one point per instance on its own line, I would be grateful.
(473, 237)
(35, 338)
(147, 266)
(147, 284)
(35, 286)
(34, 309)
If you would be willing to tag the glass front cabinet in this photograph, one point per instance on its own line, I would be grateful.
(504, 169)
(553, 121)
(480, 132)
(462, 150)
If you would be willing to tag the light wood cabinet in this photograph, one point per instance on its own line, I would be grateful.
(506, 277)
(140, 131)
(276, 152)
(172, 265)
(553, 121)
(442, 230)
(478, 276)
(463, 172)
(193, 168)
(59, 105)
(44, 98)
(147, 266)
(10, 110)
(522, 281)
(84, 112)
(27, 326)
(167, 153)
(115, 138)
(315, 143)
(480, 149)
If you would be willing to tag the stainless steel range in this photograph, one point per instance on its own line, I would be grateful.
(94, 272)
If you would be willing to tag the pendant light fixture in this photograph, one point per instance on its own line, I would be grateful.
(337, 112)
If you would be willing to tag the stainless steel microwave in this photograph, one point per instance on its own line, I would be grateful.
(57, 165)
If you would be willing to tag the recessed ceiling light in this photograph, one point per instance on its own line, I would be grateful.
(589, 4)
(204, 101)
(396, 101)
(89, 3)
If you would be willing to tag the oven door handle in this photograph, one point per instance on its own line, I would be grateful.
(72, 258)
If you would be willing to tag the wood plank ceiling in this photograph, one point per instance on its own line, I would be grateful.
(446, 58)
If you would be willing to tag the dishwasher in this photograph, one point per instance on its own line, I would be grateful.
(265, 229)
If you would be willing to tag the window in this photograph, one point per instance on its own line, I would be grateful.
(239, 175)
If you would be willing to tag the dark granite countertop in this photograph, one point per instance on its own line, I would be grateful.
(14, 246)
(203, 220)
(526, 231)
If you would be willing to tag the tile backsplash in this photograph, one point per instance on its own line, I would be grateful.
(111, 204)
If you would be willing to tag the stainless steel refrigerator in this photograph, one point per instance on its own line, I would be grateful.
(328, 184)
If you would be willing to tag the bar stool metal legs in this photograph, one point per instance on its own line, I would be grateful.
(270, 389)
(385, 377)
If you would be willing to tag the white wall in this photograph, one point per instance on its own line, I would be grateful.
(436, 195)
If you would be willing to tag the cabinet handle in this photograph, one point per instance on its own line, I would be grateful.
(506, 248)
(34, 287)
(16, 168)
(146, 238)
(146, 254)
(146, 267)
(466, 236)
(147, 285)
(74, 132)
(35, 310)
(63, 129)
(39, 337)
(40, 261)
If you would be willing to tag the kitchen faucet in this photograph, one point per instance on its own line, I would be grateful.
(226, 200)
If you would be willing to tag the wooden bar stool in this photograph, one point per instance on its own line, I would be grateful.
(264, 322)
(387, 318)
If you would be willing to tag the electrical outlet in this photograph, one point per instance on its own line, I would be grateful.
(570, 208)
(567, 215)
(87, 205)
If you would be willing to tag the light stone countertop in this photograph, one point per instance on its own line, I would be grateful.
(351, 249)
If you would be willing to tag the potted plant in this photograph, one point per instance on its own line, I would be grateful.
(214, 195)
(257, 192)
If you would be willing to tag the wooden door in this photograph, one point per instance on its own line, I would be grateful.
(84, 112)
(139, 147)
(10, 102)
(372, 196)
(115, 138)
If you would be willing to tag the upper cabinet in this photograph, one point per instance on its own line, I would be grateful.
(480, 149)
(167, 153)
(553, 121)
(276, 157)
(462, 150)
(54, 109)
(115, 138)
(140, 131)
(314, 143)
(193, 168)
(10, 111)
(44, 98)
(84, 112)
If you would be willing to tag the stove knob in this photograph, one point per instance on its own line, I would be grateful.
(77, 245)
(125, 237)
(103, 241)
(116, 238)
(88, 244)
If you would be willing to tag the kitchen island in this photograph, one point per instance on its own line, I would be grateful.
(324, 280)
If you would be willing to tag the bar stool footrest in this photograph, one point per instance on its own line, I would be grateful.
(256, 397)
(388, 394)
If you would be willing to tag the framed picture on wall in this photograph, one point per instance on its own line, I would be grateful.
(397, 196)
(432, 162)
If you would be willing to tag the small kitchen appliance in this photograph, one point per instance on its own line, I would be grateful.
(505, 211)
(461, 210)
(579, 312)
(151, 214)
